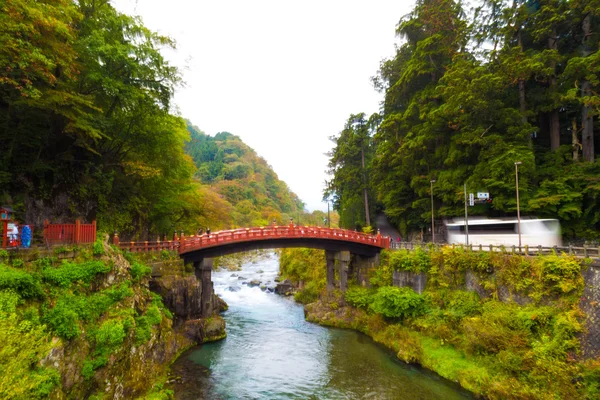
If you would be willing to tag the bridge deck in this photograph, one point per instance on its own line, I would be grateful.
(194, 243)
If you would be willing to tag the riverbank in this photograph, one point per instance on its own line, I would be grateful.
(500, 326)
(82, 322)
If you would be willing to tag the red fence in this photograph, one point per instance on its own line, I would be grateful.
(69, 233)
(192, 243)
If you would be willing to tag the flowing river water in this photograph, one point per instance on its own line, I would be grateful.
(271, 352)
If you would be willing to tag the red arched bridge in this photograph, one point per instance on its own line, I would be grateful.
(342, 248)
(194, 248)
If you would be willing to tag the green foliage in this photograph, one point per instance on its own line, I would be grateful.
(144, 323)
(68, 273)
(98, 246)
(23, 344)
(309, 294)
(69, 311)
(416, 260)
(394, 302)
(383, 275)
(359, 297)
(498, 349)
(561, 274)
(25, 284)
(139, 271)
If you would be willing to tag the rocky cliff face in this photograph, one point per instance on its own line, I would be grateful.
(134, 365)
(182, 295)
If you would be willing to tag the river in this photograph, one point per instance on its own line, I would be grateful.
(271, 352)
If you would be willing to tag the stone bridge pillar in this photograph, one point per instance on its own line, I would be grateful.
(203, 271)
(362, 265)
(330, 257)
(343, 260)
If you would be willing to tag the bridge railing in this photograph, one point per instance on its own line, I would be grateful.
(191, 243)
(137, 247)
(279, 232)
(585, 251)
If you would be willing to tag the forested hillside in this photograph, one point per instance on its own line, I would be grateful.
(469, 92)
(87, 130)
(248, 185)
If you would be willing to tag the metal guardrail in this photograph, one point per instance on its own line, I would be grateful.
(585, 251)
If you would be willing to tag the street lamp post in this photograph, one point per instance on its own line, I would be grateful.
(431, 182)
(517, 163)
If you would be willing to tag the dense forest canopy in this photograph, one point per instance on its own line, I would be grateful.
(471, 91)
(87, 130)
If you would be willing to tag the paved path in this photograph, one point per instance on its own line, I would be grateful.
(386, 229)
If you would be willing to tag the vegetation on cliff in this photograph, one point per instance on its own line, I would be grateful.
(72, 327)
(516, 333)
(467, 94)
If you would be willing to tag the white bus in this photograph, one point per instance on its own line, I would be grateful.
(504, 232)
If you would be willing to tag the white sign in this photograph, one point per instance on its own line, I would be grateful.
(471, 199)
(483, 195)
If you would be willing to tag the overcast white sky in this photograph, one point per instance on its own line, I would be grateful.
(282, 75)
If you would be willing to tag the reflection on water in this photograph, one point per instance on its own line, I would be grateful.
(271, 352)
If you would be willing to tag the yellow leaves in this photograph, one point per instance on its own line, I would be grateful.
(140, 169)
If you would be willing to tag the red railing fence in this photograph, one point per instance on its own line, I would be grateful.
(195, 242)
(76, 233)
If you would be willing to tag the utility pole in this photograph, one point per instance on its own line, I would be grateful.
(328, 216)
(466, 218)
(517, 163)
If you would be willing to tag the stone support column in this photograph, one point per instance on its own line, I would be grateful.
(330, 257)
(203, 272)
(343, 259)
(363, 266)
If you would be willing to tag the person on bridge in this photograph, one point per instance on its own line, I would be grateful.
(208, 231)
(200, 232)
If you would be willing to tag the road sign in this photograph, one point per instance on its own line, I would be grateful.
(471, 199)
(483, 195)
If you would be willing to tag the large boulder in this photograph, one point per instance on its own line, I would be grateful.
(285, 288)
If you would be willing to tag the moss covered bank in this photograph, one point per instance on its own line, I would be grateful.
(83, 323)
(502, 326)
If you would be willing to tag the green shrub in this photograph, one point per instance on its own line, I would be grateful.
(139, 270)
(561, 274)
(309, 294)
(17, 263)
(98, 247)
(359, 297)
(25, 284)
(143, 324)
(383, 274)
(68, 273)
(109, 336)
(63, 318)
(23, 344)
(69, 309)
(394, 302)
(416, 260)
(463, 303)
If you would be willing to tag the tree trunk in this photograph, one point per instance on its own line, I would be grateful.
(587, 119)
(575, 140)
(554, 117)
(362, 155)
